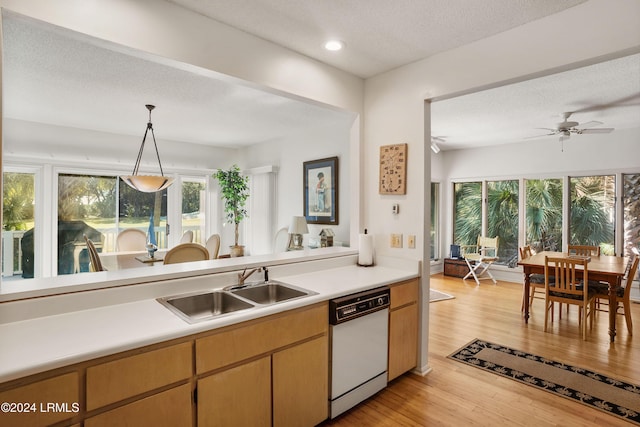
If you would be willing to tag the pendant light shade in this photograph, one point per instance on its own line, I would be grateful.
(148, 183)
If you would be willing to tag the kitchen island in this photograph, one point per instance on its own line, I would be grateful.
(131, 331)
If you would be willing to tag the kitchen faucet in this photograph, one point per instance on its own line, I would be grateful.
(245, 275)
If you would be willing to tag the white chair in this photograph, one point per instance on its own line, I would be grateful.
(186, 252)
(187, 237)
(213, 245)
(281, 240)
(480, 257)
(131, 239)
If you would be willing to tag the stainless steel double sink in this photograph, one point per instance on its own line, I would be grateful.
(201, 306)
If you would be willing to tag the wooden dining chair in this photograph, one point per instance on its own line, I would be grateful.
(213, 245)
(584, 250)
(480, 257)
(94, 259)
(186, 252)
(536, 281)
(570, 285)
(623, 295)
(131, 239)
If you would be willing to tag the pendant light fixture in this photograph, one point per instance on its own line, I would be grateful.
(148, 183)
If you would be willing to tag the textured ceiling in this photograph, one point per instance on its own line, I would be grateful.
(379, 34)
(607, 92)
(59, 77)
(55, 77)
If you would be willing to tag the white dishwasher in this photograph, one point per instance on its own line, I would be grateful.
(359, 343)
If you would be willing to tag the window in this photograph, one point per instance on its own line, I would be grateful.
(144, 211)
(99, 207)
(631, 206)
(502, 219)
(543, 214)
(592, 219)
(467, 210)
(193, 211)
(434, 229)
(18, 224)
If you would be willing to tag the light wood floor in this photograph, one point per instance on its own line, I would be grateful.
(457, 394)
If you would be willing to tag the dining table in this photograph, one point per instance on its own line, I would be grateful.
(603, 268)
(131, 259)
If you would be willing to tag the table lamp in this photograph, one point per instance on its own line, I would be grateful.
(297, 228)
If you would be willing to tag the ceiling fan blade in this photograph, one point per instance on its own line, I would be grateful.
(540, 136)
(589, 124)
(627, 101)
(597, 130)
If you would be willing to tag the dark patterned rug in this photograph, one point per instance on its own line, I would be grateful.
(590, 388)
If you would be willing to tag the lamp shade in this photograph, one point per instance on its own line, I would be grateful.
(298, 225)
(148, 183)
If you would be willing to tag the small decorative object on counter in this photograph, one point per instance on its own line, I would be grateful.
(326, 237)
(365, 249)
(151, 249)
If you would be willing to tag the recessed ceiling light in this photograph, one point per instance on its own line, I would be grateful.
(334, 45)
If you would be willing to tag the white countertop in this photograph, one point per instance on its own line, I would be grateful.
(40, 344)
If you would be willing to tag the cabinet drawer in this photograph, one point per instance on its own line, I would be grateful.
(404, 293)
(237, 344)
(172, 407)
(116, 380)
(62, 390)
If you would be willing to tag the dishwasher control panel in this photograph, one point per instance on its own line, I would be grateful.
(356, 305)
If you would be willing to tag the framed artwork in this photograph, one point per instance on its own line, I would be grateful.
(393, 169)
(321, 191)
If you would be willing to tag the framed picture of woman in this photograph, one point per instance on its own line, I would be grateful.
(320, 188)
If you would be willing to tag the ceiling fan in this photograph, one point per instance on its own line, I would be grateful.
(566, 127)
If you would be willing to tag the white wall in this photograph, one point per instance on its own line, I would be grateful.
(289, 154)
(394, 104)
(618, 150)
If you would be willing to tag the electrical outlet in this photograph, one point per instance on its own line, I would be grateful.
(396, 240)
(411, 241)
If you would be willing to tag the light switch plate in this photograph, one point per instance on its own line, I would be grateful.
(411, 241)
(396, 240)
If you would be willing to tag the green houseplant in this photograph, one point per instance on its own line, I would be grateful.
(235, 192)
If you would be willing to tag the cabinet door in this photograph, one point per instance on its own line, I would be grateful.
(169, 408)
(300, 384)
(403, 340)
(239, 396)
(62, 390)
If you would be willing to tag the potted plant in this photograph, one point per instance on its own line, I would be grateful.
(235, 191)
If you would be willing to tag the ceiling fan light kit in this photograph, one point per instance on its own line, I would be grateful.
(148, 183)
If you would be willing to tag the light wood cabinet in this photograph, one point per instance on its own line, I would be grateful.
(172, 407)
(403, 328)
(300, 384)
(132, 375)
(287, 384)
(245, 341)
(239, 396)
(62, 390)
